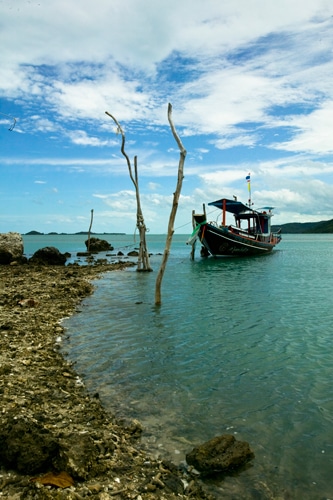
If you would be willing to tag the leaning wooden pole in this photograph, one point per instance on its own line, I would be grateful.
(89, 230)
(172, 217)
(195, 240)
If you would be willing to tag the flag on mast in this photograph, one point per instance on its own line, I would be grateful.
(248, 179)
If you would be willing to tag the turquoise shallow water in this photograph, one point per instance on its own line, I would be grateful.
(242, 346)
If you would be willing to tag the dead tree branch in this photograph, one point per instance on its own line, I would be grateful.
(173, 213)
(143, 259)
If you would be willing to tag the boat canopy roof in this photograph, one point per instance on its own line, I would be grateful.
(232, 206)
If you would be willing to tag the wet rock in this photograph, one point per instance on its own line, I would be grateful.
(77, 454)
(133, 253)
(220, 454)
(26, 446)
(174, 483)
(11, 247)
(28, 302)
(48, 256)
(132, 426)
(98, 245)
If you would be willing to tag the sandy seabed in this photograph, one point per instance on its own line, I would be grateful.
(56, 440)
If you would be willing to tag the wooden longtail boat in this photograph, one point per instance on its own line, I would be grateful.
(250, 235)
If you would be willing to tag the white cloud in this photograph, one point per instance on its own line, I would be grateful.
(154, 186)
(313, 131)
(40, 124)
(82, 60)
(241, 75)
(81, 137)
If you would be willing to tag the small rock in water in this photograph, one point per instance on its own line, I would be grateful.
(220, 454)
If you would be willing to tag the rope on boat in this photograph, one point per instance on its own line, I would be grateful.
(195, 232)
(190, 222)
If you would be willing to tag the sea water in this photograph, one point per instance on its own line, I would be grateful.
(73, 243)
(239, 346)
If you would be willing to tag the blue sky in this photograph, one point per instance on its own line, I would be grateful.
(250, 82)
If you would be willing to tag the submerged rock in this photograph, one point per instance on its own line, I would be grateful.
(133, 253)
(220, 454)
(98, 245)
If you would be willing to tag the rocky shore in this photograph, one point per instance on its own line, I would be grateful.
(56, 440)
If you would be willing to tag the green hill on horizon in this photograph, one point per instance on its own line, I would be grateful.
(321, 227)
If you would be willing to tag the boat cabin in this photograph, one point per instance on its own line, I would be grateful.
(247, 220)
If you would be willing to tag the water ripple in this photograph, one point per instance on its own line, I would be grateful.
(238, 345)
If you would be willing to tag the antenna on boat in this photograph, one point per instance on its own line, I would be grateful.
(248, 180)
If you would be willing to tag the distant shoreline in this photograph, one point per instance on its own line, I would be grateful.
(37, 233)
(321, 227)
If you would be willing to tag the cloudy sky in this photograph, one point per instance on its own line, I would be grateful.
(250, 82)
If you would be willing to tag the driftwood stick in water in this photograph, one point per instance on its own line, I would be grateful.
(91, 221)
(194, 242)
(172, 217)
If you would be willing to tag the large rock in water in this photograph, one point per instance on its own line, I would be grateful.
(220, 454)
(98, 245)
(11, 247)
(48, 256)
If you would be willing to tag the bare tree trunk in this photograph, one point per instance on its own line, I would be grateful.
(172, 217)
(143, 259)
(91, 221)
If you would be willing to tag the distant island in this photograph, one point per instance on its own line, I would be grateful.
(322, 227)
(37, 233)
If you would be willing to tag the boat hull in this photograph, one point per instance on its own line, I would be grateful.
(221, 241)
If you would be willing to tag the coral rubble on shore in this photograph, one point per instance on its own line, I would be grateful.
(56, 440)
